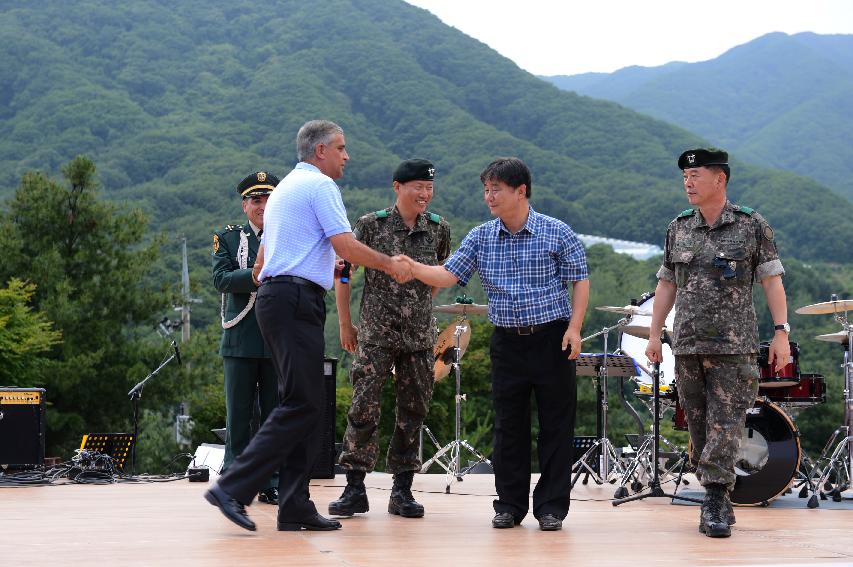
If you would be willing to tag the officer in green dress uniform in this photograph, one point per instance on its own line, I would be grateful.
(249, 370)
(396, 331)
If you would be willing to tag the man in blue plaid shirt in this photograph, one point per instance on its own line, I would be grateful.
(526, 262)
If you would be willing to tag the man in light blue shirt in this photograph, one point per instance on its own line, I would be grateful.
(526, 262)
(305, 224)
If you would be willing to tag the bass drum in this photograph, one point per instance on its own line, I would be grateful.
(769, 455)
(635, 347)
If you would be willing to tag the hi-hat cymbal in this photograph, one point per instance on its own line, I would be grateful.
(627, 310)
(827, 307)
(462, 309)
(443, 349)
(840, 337)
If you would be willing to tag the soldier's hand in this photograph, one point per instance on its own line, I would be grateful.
(654, 350)
(779, 352)
(349, 337)
(401, 268)
(256, 270)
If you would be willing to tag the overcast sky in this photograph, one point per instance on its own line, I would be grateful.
(554, 37)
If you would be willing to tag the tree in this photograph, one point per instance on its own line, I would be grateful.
(89, 263)
(25, 335)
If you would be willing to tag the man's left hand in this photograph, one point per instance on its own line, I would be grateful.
(572, 343)
(779, 352)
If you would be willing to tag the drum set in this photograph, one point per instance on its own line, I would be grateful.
(770, 461)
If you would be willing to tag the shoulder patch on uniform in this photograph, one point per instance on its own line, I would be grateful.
(768, 232)
(434, 218)
(381, 214)
(686, 213)
(744, 210)
(215, 243)
(233, 227)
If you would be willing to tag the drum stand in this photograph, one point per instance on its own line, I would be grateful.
(449, 456)
(839, 466)
(654, 485)
(596, 461)
(644, 459)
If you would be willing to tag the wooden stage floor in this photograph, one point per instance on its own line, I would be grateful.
(171, 524)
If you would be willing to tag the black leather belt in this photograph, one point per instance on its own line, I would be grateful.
(297, 280)
(530, 329)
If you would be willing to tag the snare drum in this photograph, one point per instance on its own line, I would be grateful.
(810, 391)
(770, 378)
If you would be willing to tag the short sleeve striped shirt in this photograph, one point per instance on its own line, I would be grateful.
(525, 275)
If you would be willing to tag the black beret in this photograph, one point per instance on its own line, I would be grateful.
(702, 157)
(414, 170)
(258, 183)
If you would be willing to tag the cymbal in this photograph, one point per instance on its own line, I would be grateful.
(827, 307)
(462, 309)
(840, 337)
(638, 330)
(627, 310)
(443, 349)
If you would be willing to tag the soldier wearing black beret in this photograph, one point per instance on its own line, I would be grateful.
(396, 330)
(249, 372)
(714, 252)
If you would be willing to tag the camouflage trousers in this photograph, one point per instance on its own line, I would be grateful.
(715, 392)
(413, 377)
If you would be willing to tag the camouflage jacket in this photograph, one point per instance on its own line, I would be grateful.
(713, 269)
(244, 338)
(392, 313)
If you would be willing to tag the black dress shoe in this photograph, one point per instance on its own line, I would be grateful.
(315, 523)
(504, 520)
(232, 509)
(269, 496)
(550, 523)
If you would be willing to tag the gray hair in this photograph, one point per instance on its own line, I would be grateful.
(312, 134)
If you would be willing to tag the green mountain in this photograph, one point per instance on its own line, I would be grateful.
(782, 101)
(175, 102)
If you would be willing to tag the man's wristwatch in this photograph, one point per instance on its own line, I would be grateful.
(783, 327)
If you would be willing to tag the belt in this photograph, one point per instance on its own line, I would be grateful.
(298, 281)
(531, 329)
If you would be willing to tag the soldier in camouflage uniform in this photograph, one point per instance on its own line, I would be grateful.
(396, 332)
(247, 359)
(714, 252)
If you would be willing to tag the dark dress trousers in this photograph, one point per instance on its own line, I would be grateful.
(289, 439)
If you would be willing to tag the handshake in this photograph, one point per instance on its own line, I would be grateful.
(401, 268)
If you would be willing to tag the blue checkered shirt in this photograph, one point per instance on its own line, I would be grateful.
(526, 274)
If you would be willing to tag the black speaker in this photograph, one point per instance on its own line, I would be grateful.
(22, 427)
(324, 466)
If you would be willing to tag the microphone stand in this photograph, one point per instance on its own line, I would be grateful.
(135, 393)
(655, 489)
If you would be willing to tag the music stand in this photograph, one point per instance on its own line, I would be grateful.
(596, 460)
(116, 445)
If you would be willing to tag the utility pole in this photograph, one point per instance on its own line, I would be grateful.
(186, 300)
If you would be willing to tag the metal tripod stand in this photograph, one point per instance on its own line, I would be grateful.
(600, 461)
(839, 465)
(655, 490)
(449, 457)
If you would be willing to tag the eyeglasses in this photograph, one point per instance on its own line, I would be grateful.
(488, 192)
(728, 267)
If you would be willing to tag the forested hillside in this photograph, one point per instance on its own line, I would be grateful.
(176, 102)
(783, 101)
